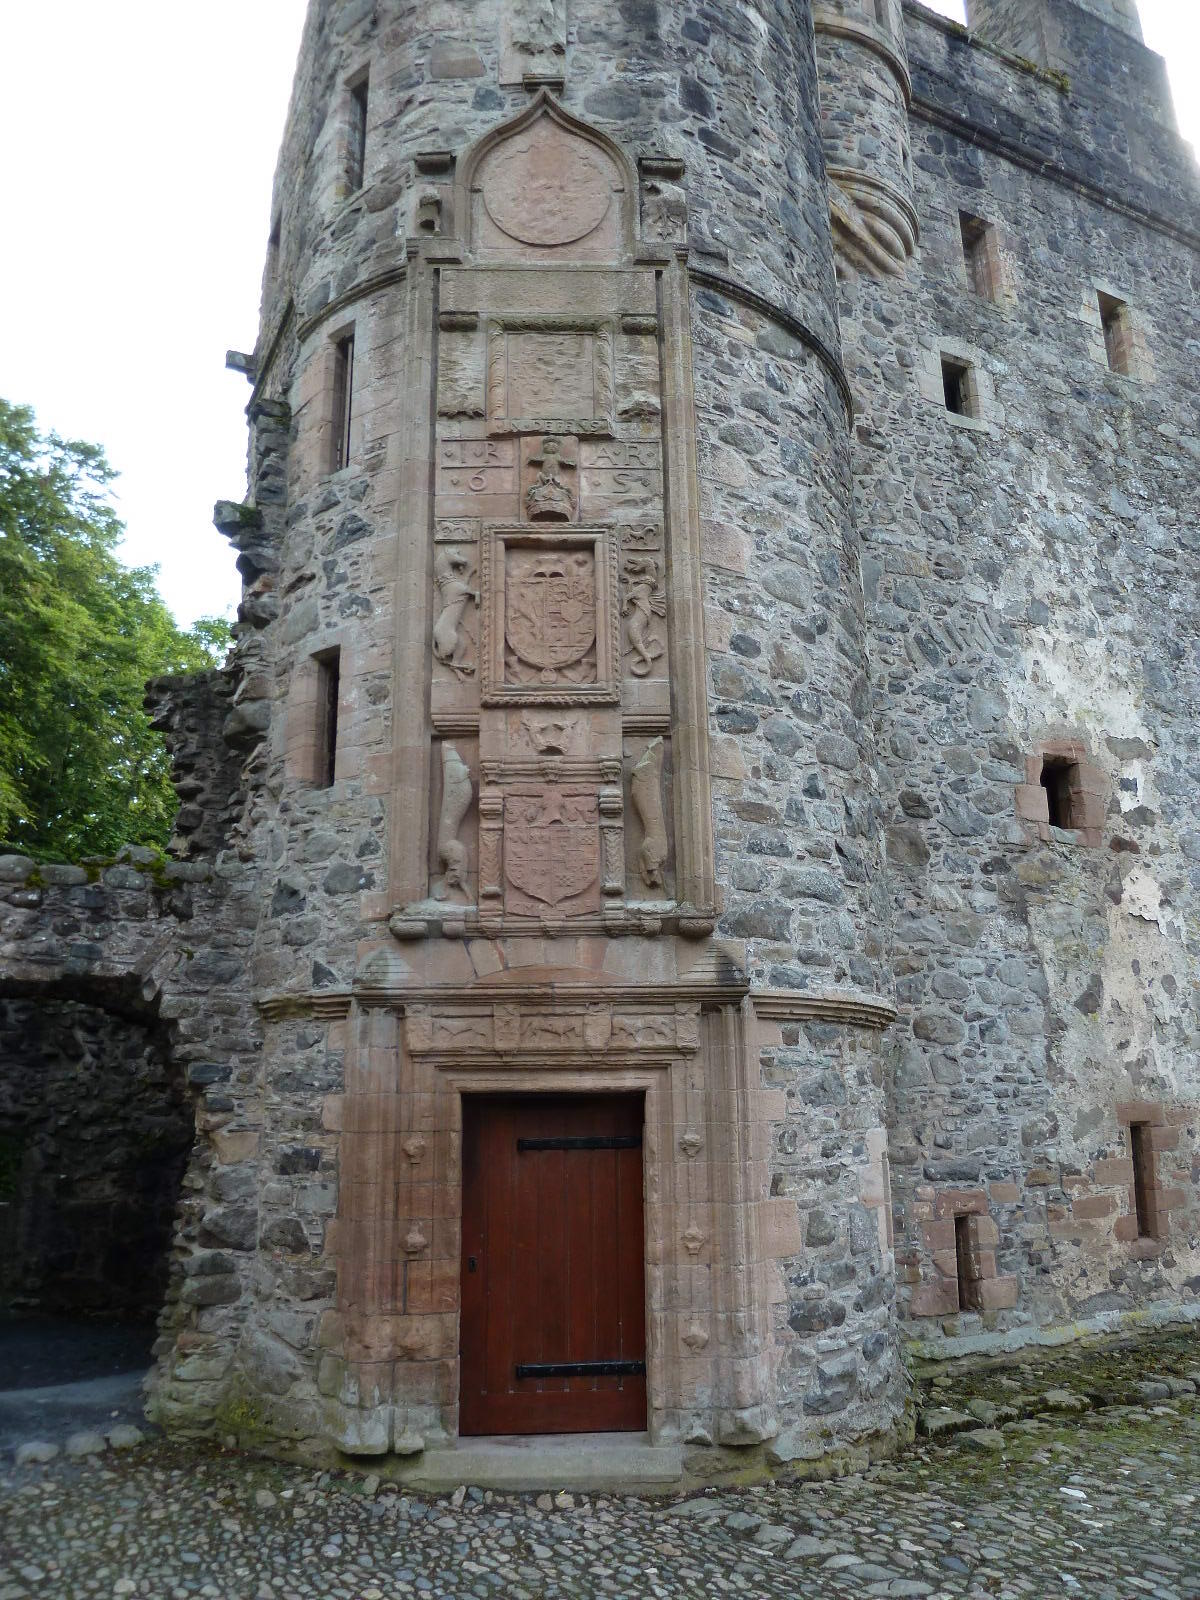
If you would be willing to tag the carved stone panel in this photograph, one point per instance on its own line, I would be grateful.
(550, 374)
(550, 631)
(455, 628)
(453, 867)
(461, 367)
(477, 478)
(552, 859)
(648, 828)
(533, 41)
(547, 191)
(621, 478)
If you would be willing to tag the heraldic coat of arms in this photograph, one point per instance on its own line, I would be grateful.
(551, 850)
(550, 616)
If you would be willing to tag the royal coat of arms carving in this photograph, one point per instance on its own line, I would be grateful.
(551, 628)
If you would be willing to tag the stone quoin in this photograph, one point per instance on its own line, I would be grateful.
(690, 878)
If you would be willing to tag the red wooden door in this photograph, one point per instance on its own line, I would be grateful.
(553, 1335)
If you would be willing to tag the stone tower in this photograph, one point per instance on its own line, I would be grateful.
(565, 796)
(689, 875)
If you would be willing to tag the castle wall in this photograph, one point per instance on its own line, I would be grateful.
(1029, 590)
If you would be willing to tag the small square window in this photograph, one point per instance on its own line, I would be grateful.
(959, 387)
(1118, 332)
(981, 254)
(1060, 780)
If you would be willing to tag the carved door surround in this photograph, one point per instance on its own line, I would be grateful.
(550, 558)
(410, 1062)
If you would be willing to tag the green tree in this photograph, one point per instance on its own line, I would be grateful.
(81, 770)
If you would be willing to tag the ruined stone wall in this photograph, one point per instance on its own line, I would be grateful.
(1030, 586)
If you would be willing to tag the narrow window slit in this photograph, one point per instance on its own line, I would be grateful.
(343, 390)
(1143, 1179)
(967, 1293)
(328, 689)
(356, 153)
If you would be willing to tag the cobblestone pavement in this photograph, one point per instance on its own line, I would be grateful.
(1103, 1508)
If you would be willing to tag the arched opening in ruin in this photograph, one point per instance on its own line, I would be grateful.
(96, 1125)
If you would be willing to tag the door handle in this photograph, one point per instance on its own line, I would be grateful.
(471, 1264)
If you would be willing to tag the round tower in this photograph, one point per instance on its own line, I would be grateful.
(865, 92)
(559, 762)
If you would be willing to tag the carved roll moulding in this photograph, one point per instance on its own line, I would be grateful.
(552, 531)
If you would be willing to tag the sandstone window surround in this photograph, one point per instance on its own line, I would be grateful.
(1149, 1133)
(1064, 793)
(1117, 333)
(960, 1237)
(952, 376)
(322, 742)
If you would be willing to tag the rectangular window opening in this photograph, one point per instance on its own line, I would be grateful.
(958, 384)
(343, 395)
(1060, 779)
(1118, 332)
(1143, 1179)
(968, 1296)
(328, 689)
(881, 12)
(356, 152)
(980, 255)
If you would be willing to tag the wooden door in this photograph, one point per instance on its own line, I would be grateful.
(553, 1334)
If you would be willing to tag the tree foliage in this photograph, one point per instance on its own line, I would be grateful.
(81, 770)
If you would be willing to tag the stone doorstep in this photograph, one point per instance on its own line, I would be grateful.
(589, 1463)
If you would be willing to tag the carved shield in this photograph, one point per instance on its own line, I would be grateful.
(551, 847)
(551, 607)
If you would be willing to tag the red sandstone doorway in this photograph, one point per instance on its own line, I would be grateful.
(553, 1332)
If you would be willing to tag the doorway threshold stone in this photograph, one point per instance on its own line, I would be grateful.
(622, 1463)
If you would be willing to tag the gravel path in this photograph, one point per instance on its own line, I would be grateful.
(1103, 1508)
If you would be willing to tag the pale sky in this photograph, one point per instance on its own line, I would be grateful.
(141, 139)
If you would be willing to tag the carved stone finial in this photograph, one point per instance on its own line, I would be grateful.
(548, 499)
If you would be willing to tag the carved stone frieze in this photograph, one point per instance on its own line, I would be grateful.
(530, 1029)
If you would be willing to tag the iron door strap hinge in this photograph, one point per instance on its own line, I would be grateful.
(581, 1369)
(590, 1141)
